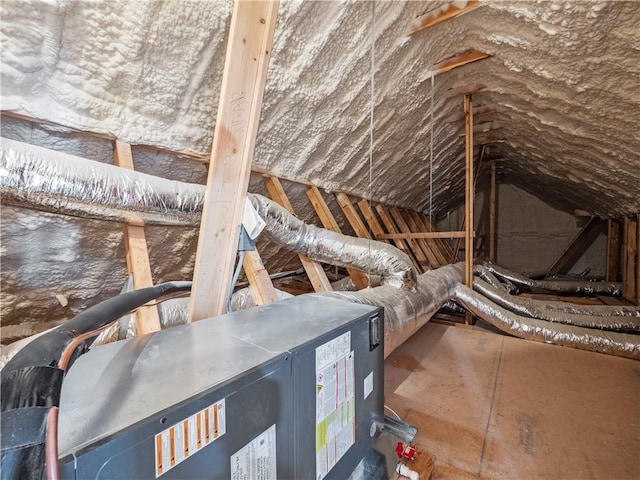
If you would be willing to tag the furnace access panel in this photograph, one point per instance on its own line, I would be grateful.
(286, 390)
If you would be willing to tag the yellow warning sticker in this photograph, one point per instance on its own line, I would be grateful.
(182, 440)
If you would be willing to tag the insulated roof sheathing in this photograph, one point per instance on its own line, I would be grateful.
(563, 77)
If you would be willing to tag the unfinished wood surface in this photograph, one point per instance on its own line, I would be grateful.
(259, 281)
(492, 214)
(399, 242)
(496, 407)
(613, 250)
(437, 244)
(469, 196)
(638, 259)
(477, 112)
(243, 79)
(352, 216)
(314, 270)
(392, 236)
(135, 245)
(457, 61)
(371, 219)
(439, 15)
(329, 222)
(629, 272)
(427, 248)
(433, 227)
(414, 246)
(577, 246)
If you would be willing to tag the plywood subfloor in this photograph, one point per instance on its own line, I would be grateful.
(491, 406)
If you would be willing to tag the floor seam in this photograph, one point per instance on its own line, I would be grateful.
(493, 396)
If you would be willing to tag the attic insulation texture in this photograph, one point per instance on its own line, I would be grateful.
(60, 183)
(562, 77)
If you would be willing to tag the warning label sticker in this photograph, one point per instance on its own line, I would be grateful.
(257, 459)
(180, 441)
(335, 405)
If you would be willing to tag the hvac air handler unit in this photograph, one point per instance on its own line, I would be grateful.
(290, 390)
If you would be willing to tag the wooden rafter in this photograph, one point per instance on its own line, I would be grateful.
(329, 222)
(135, 244)
(399, 242)
(577, 246)
(439, 15)
(469, 196)
(352, 215)
(414, 246)
(314, 270)
(435, 244)
(243, 79)
(432, 255)
(259, 281)
(370, 218)
(492, 214)
(458, 61)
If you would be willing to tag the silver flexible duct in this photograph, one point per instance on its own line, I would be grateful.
(405, 311)
(485, 274)
(56, 182)
(536, 309)
(613, 343)
(560, 286)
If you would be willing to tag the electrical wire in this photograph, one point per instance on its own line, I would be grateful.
(236, 274)
(393, 411)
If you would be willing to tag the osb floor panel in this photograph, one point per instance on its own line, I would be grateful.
(491, 406)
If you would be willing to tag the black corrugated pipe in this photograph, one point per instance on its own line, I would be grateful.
(31, 383)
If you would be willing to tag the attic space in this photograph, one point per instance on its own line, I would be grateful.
(432, 208)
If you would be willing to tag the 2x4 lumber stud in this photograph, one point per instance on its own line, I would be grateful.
(329, 222)
(629, 273)
(433, 243)
(432, 227)
(135, 244)
(469, 194)
(243, 80)
(399, 242)
(458, 61)
(430, 19)
(393, 236)
(492, 214)
(352, 216)
(314, 270)
(259, 280)
(372, 221)
(613, 251)
(577, 246)
(432, 258)
(414, 246)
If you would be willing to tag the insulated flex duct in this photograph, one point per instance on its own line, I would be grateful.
(55, 182)
(560, 286)
(612, 343)
(538, 309)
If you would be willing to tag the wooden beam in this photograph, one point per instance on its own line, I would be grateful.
(436, 244)
(638, 259)
(243, 79)
(352, 215)
(469, 196)
(372, 221)
(393, 236)
(399, 242)
(259, 281)
(444, 245)
(414, 246)
(135, 245)
(464, 90)
(477, 112)
(613, 251)
(314, 270)
(360, 280)
(458, 61)
(577, 246)
(629, 273)
(439, 15)
(433, 255)
(492, 214)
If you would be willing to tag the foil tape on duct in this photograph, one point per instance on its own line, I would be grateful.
(59, 183)
(612, 343)
(407, 311)
(559, 286)
(537, 309)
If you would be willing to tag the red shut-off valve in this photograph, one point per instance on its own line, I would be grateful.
(405, 451)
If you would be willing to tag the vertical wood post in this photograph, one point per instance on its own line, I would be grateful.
(135, 245)
(613, 251)
(243, 79)
(468, 238)
(492, 214)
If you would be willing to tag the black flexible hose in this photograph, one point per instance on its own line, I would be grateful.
(31, 382)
